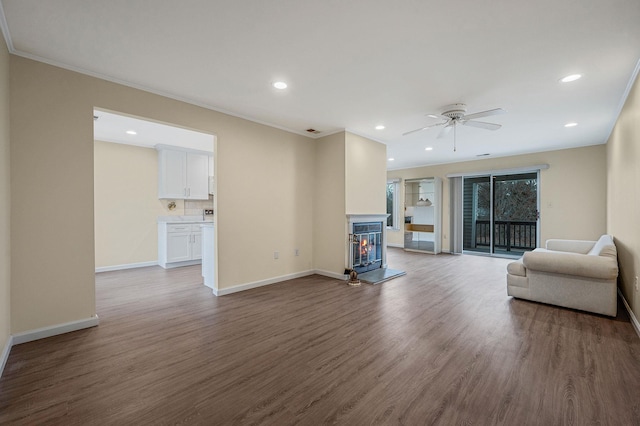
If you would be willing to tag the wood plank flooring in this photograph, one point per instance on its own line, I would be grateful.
(442, 345)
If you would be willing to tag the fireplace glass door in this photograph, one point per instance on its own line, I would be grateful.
(367, 246)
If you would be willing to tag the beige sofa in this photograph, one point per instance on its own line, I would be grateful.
(571, 273)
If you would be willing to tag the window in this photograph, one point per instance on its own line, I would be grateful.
(392, 203)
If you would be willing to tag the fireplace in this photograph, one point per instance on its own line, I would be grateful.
(367, 242)
(366, 246)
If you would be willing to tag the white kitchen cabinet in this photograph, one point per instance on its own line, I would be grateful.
(183, 175)
(179, 244)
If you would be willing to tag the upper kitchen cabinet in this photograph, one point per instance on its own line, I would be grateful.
(183, 174)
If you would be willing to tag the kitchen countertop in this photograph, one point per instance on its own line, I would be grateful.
(185, 219)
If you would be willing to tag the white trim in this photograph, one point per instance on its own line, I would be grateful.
(501, 171)
(330, 274)
(261, 283)
(353, 132)
(634, 321)
(395, 245)
(7, 38)
(160, 146)
(169, 95)
(623, 99)
(54, 330)
(7, 349)
(126, 266)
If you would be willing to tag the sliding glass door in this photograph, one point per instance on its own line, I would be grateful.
(500, 213)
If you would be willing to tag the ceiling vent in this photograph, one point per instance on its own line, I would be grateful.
(314, 131)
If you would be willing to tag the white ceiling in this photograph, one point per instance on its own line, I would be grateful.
(110, 127)
(359, 63)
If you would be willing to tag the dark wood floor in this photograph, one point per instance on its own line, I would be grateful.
(441, 345)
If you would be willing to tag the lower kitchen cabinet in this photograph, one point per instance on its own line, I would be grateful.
(179, 244)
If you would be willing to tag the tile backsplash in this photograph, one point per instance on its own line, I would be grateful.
(195, 207)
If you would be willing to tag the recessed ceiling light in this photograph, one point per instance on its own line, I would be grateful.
(132, 132)
(572, 77)
(379, 127)
(429, 148)
(391, 159)
(280, 85)
(571, 125)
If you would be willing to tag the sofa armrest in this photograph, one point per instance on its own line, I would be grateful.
(573, 246)
(599, 267)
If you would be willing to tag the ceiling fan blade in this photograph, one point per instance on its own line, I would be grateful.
(444, 132)
(439, 116)
(423, 128)
(487, 113)
(482, 125)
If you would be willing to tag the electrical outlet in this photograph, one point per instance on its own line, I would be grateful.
(276, 255)
(297, 252)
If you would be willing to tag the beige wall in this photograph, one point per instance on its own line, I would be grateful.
(366, 164)
(264, 196)
(5, 202)
(329, 204)
(572, 190)
(623, 200)
(127, 204)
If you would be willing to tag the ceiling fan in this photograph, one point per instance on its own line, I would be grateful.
(455, 114)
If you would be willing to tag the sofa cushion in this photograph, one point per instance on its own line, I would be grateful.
(517, 268)
(598, 267)
(604, 247)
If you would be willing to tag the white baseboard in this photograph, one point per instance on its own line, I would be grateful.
(255, 284)
(54, 330)
(329, 274)
(634, 320)
(126, 266)
(5, 354)
(395, 245)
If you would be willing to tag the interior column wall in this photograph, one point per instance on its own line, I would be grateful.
(623, 196)
(329, 204)
(5, 205)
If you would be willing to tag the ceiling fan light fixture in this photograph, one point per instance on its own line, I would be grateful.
(570, 78)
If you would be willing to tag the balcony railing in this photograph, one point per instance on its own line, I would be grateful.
(508, 236)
